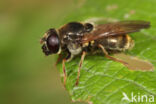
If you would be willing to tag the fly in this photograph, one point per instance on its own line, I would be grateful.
(77, 38)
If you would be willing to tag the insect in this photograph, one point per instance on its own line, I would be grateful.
(77, 38)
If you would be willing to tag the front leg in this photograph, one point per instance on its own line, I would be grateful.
(64, 72)
(68, 58)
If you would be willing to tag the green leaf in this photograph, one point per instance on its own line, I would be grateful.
(103, 81)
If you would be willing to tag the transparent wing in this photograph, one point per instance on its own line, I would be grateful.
(135, 63)
(116, 28)
(100, 20)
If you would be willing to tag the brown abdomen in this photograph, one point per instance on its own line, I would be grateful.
(117, 43)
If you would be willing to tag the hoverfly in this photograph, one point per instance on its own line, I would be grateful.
(77, 38)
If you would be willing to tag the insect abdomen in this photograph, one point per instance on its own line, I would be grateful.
(117, 43)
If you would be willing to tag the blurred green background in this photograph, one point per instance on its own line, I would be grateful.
(26, 75)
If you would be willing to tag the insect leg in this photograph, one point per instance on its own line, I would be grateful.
(69, 57)
(64, 71)
(80, 65)
(110, 57)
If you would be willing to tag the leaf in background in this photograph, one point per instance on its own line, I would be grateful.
(102, 80)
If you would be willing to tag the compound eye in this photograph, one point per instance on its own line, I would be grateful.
(88, 27)
(53, 41)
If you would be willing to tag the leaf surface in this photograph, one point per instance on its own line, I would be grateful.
(103, 81)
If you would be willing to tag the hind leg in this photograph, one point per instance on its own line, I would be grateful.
(110, 57)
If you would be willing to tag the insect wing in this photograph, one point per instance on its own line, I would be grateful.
(135, 63)
(112, 29)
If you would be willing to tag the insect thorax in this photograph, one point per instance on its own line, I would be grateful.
(70, 35)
